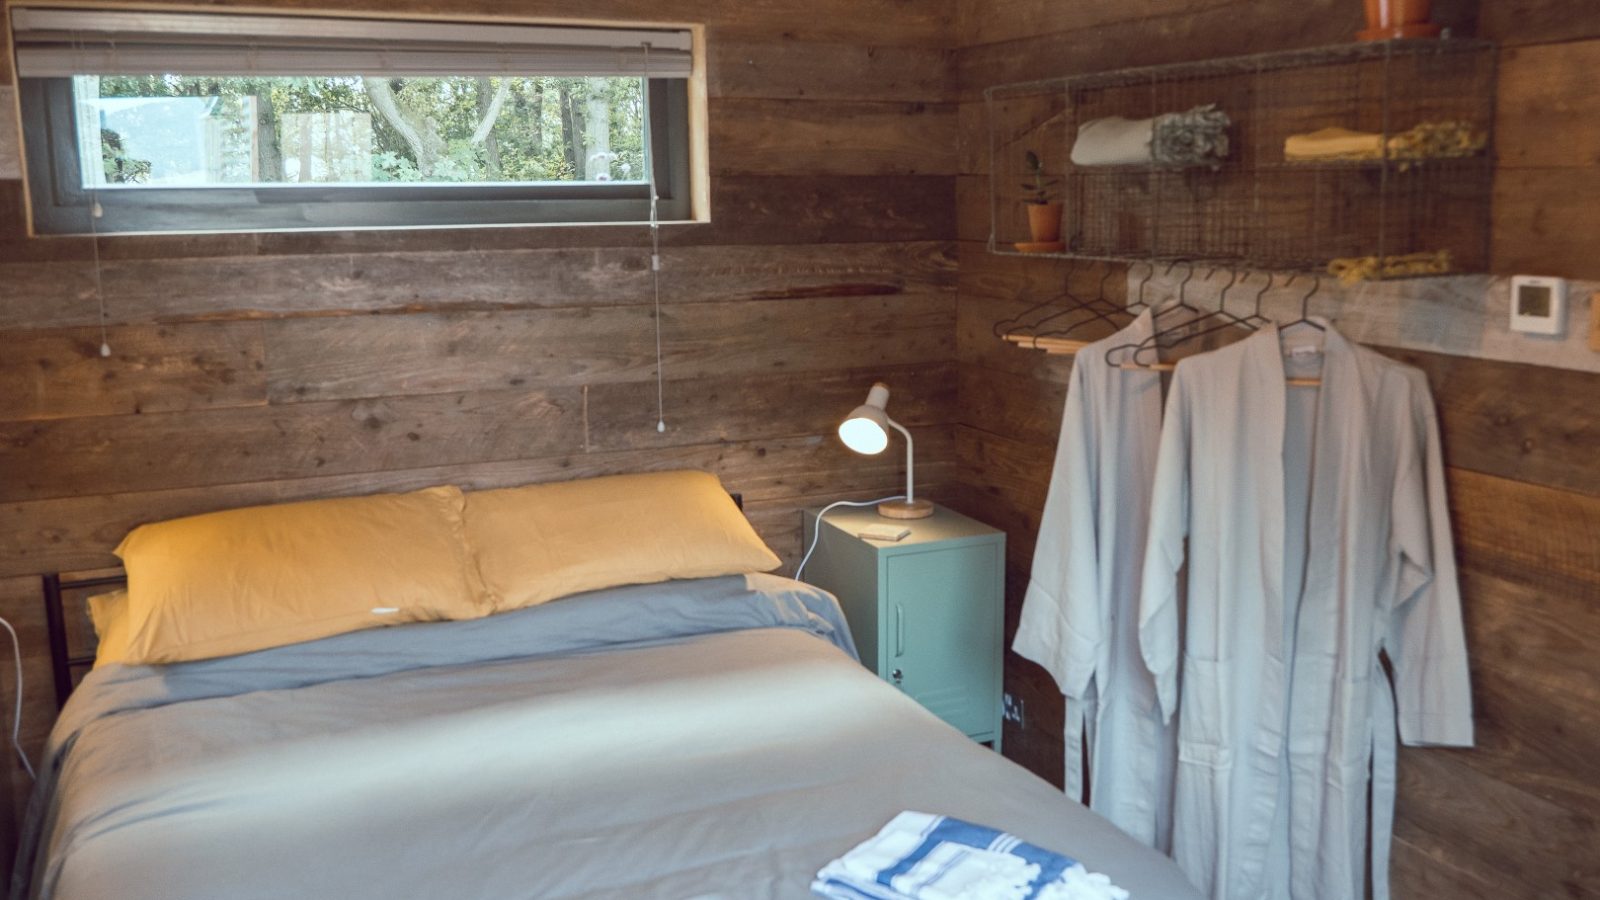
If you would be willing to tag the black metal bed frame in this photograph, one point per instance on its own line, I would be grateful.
(61, 662)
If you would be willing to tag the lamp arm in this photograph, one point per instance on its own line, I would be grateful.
(911, 494)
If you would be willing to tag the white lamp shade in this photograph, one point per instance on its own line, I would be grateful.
(864, 432)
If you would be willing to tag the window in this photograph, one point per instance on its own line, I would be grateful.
(207, 122)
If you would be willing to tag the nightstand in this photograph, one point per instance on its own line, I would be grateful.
(926, 611)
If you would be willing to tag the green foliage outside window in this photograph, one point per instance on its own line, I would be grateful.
(119, 167)
(448, 129)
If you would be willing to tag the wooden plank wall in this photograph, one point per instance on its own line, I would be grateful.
(258, 368)
(1514, 817)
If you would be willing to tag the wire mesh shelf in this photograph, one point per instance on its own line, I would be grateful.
(1255, 207)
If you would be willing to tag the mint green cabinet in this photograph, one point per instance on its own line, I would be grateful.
(926, 612)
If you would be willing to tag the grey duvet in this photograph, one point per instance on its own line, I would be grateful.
(702, 739)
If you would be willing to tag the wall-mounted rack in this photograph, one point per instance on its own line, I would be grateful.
(1255, 208)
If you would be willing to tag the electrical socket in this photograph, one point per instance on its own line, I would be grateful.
(1011, 710)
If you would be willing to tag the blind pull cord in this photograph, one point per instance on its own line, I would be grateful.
(655, 251)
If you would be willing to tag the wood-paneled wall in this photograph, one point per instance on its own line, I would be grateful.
(848, 155)
(258, 368)
(1515, 816)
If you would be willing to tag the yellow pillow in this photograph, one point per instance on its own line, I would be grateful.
(248, 579)
(544, 541)
(109, 614)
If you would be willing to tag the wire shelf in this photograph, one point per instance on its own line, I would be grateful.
(1256, 209)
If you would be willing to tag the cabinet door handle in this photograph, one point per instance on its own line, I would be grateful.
(899, 630)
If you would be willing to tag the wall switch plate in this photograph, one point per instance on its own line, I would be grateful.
(1538, 305)
(1011, 710)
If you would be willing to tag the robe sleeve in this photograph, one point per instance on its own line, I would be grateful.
(1060, 626)
(1169, 525)
(1426, 643)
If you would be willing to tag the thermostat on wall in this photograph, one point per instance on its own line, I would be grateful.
(1538, 305)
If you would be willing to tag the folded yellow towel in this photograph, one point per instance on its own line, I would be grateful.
(1333, 143)
(1427, 140)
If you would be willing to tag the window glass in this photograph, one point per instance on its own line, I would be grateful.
(191, 131)
(142, 121)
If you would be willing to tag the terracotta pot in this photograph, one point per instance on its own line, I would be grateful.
(1389, 20)
(1044, 221)
(1392, 13)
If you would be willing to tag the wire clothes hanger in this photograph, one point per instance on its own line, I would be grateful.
(1160, 339)
(1140, 305)
(1054, 340)
(1159, 343)
(1251, 322)
(1121, 353)
(1095, 315)
(1305, 317)
(1003, 328)
(1078, 303)
(1305, 321)
(1222, 305)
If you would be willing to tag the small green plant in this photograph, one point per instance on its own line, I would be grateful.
(1037, 185)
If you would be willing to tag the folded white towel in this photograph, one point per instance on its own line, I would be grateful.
(918, 856)
(1113, 141)
(1195, 137)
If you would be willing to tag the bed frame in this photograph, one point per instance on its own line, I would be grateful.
(55, 617)
(57, 587)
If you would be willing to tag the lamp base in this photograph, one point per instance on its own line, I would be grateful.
(901, 509)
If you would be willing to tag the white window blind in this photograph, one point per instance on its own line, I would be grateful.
(59, 43)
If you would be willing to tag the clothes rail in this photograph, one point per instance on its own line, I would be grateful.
(1064, 347)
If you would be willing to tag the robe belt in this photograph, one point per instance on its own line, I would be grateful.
(1384, 780)
(1072, 747)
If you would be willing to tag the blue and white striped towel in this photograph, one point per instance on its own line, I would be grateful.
(918, 856)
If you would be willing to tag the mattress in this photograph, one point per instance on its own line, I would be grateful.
(707, 739)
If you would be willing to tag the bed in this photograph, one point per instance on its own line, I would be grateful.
(704, 738)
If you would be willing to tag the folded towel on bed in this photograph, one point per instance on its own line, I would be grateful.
(918, 856)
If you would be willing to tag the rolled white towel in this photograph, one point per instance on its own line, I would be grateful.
(1113, 141)
(1195, 137)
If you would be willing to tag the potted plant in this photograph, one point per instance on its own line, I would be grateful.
(1044, 212)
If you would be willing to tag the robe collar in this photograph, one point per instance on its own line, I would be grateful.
(1142, 326)
(1266, 347)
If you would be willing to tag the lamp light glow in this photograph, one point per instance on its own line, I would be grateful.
(863, 435)
(866, 431)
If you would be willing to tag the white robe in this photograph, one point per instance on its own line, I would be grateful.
(1318, 537)
(1080, 615)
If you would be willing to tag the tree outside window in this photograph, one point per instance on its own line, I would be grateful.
(167, 130)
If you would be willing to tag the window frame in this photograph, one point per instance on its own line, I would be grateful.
(59, 204)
